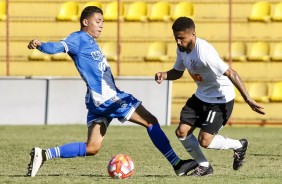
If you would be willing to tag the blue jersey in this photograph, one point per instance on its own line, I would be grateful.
(103, 99)
(90, 62)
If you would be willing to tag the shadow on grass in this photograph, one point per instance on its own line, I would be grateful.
(265, 155)
(84, 175)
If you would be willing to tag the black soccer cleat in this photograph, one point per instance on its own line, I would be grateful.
(240, 154)
(184, 166)
(202, 171)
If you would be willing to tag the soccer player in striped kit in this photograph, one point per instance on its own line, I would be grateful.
(211, 106)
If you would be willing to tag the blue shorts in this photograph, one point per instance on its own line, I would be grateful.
(122, 106)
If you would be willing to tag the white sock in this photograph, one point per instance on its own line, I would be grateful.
(192, 146)
(222, 143)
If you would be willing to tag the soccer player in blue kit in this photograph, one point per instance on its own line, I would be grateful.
(104, 100)
(211, 106)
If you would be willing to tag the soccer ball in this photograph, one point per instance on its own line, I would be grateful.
(120, 167)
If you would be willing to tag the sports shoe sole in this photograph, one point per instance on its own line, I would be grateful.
(35, 161)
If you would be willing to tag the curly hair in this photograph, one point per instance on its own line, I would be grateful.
(183, 23)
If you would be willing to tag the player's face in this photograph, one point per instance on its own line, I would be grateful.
(94, 25)
(185, 40)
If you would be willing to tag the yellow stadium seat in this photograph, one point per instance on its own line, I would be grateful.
(260, 11)
(276, 95)
(157, 52)
(277, 52)
(93, 3)
(238, 52)
(111, 11)
(110, 50)
(277, 14)
(259, 91)
(160, 11)
(61, 57)
(2, 10)
(68, 11)
(258, 51)
(183, 9)
(137, 11)
(36, 55)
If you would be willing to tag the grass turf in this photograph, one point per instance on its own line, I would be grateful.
(263, 162)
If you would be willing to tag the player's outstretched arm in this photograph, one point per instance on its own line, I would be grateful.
(238, 83)
(34, 44)
(169, 75)
(47, 47)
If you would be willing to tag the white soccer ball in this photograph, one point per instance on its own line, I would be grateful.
(121, 166)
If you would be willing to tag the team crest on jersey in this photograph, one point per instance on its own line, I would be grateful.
(193, 64)
(97, 55)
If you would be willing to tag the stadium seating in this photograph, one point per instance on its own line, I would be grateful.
(93, 3)
(277, 52)
(2, 10)
(68, 11)
(276, 95)
(238, 52)
(259, 51)
(260, 11)
(160, 11)
(277, 14)
(259, 91)
(111, 11)
(110, 50)
(157, 52)
(36, 55)
(137, 11)
(183, 9)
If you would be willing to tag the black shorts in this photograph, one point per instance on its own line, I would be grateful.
(210, 117)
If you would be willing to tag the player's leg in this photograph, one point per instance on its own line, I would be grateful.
(96, 134)
(208, 137)
(97, 127)
(143, 117)
(184, 132)
(191, 115)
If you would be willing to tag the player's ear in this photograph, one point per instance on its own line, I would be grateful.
(85, 22)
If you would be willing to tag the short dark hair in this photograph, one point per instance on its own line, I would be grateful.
(88, 11)
(183, 23)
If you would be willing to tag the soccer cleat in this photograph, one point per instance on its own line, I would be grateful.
(202, 171)
(184, 166)
(240, 154)
(36, 161)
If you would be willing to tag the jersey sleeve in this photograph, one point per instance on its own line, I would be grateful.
(51, 47)
(71, 43)
(210, 56)
(179, 62)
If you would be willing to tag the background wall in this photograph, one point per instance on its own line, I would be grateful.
(61, 100)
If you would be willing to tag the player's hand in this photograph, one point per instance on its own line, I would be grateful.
(160, 76)
(255, 107)
(33, 44)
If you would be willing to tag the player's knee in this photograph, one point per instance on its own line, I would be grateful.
(91, 151)
(180, 133)
(204, 142)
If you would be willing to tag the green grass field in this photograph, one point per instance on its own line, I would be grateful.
(263, 163)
